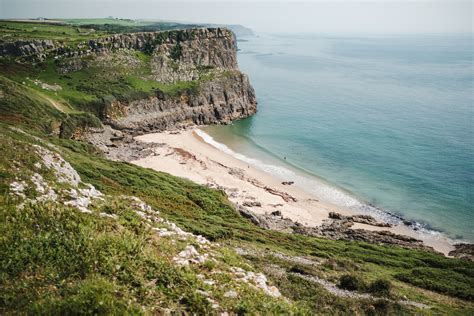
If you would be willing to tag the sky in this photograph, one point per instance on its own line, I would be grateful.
(317, 16)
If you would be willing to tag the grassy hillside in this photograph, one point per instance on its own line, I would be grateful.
(117, 256)
(58, 252)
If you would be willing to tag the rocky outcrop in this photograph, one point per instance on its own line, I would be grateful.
(360, 218)
(206, 47)
(198, 66)
(22, 48)
(463, 251)
(218, 101)
(337, 227)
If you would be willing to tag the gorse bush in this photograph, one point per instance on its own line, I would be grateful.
(380, 287)
(352, 283)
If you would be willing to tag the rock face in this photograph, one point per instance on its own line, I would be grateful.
(190, 48)
(23, 48)
(200, 63)
(338, 227)
(217, 101)
(463, 251)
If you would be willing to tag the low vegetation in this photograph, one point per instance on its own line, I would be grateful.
(57, 260)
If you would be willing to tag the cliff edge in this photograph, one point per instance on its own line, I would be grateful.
(143, 82)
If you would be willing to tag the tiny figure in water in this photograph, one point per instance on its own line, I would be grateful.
(284, 158)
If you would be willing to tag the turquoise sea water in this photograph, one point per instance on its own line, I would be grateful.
(387, 121)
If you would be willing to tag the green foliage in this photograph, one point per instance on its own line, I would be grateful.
(14, 30)
(380, 287)
(24, 106)
(441, 280)
(352, 283)
(56, 260)
(175, 52)
(76, 30)
(21, 105)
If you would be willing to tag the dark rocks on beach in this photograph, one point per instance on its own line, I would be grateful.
(362, 219)
(337, 227)
(335, 215)
(117, 145)
(463, 251)
(276, 213)
(249, 215)
(252, 204)
(288, 182)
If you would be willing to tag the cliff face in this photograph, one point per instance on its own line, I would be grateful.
(206, 57)
(203, 59)
(217, 101)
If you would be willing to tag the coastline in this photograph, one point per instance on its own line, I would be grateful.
(186, 154)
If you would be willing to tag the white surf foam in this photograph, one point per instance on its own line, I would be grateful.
(323, 191)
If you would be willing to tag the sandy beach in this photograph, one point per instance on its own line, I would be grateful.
(185, 154)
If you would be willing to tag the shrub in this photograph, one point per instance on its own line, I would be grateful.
(175, 53)
(443, 281)
(351, 282)
(380, 287)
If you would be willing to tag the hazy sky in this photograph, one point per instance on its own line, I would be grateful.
(349, 16)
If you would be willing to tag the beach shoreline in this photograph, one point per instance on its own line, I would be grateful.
(184, 153)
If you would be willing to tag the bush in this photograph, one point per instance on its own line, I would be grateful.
(443, 281)
(380, 287)
(351, 282)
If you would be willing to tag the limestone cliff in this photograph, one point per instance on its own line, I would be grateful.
(203, 60)
(218, 101)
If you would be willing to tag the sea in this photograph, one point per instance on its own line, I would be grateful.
(383, 125)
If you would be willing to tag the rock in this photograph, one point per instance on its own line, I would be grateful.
(220, 100)
(276, 213)
(252, 204)
(224, 97)
(249, 215)
(231, 294)
(335, 215)
(259, 280)
(463, 251)
(117, 145)
(338, 227)
(288, 182)
(65, 173)
(363, 219)
(189, 255)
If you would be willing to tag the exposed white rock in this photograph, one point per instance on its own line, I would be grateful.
(82, 198)
(258, 280)
(163, 232)
(209, 282)
(91, 192)
(65, 173)
(108, 215)
(46, 193)
(190, 255)
(231, 294)
(18, 188)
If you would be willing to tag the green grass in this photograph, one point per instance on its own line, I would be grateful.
(12, 30)
(56, 260)
(207, 212)
(61, 282)
(94, 87)
(23, 106)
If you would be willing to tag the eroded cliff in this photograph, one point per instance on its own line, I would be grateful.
(181, 77)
